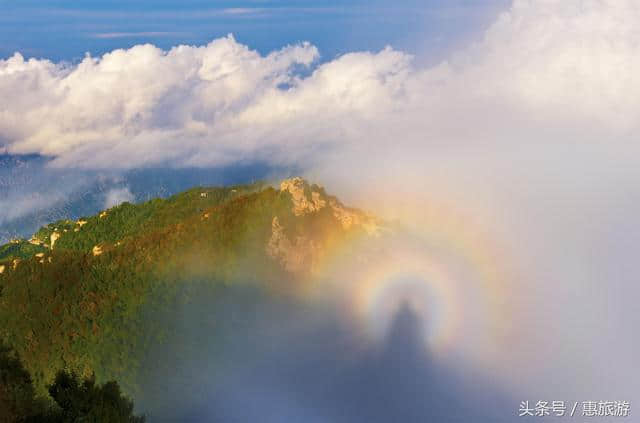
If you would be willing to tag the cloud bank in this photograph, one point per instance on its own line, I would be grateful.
(543, 65)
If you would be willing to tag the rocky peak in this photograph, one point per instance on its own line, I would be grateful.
(311, 198)
(299, 252)
(305, 199)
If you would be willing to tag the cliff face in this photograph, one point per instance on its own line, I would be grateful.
(300, 252)
(296, 255)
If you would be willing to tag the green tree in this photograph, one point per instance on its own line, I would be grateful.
(85, 401)
(17, 397)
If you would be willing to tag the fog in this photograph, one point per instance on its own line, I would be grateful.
(241, 354)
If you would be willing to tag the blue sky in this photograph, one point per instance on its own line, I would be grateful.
(63, 30)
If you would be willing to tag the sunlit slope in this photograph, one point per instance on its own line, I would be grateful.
(76, 294)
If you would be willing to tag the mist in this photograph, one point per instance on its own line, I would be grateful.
(561, 224)
(242, 354)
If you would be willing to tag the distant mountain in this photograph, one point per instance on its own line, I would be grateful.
(79, 294)
(33, 193)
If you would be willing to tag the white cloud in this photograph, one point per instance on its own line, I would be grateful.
(116, 196)
(16, 206)
(141, 105)
(546, 64)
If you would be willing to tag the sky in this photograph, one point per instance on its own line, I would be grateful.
(63, 30)
(506, 129)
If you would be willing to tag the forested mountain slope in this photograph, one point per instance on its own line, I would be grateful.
(79, 294)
